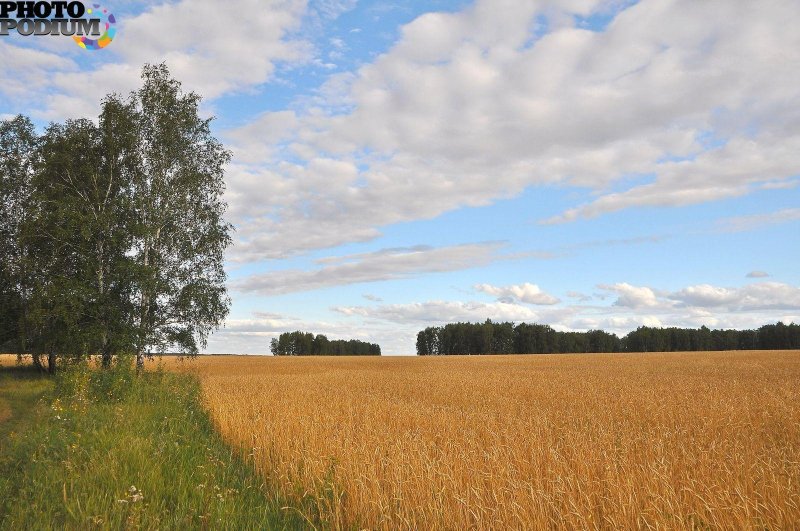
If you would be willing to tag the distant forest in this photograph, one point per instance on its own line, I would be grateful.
(524, 338)
(307, 344)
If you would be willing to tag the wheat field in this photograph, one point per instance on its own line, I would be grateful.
(673, 440)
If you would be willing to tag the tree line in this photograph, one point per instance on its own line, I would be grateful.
(307, 344)
(524, 338)
(112, 231)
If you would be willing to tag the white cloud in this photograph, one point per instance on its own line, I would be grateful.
(726, 172)
(190, 36)
(759, 296)
(215, 62)
(757, 274)
(751, 297)
(435, 312)
(784, 184)
(757, 221)
(615, 324)
(633, 296)
(705, 295)
(470, 107)
(528, 293)
(78, 94)
(27, 70)
(386, 264)
(260, 139)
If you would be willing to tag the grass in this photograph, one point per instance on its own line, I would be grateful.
(108, 449)
(671, 440)
(21, 388)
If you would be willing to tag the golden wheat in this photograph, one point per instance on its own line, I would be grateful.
(679, 440)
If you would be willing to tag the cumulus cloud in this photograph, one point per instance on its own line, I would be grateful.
(695, 98)
(528, 293)
(26, 68)
(633, 296)
(211, 63)
(759, 296)
(386, 264)
(260, 139)
(751, 297)
(216, 62)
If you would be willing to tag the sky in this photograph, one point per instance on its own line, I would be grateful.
(396, 165)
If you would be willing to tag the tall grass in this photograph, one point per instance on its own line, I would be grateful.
(699, 440)
(21, 387)
(108, 449)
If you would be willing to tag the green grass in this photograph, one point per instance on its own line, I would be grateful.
(21, 387)
(108, 449)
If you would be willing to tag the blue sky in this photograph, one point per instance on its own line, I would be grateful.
(580, 163)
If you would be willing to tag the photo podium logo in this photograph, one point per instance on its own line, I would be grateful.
(91, 26)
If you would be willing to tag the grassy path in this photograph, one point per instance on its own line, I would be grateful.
(21, 388)
(107, 449)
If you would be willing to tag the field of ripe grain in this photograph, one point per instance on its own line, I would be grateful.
(579, 441)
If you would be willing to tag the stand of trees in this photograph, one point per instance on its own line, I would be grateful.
(524, 338)
(112, 232)
(307, 344)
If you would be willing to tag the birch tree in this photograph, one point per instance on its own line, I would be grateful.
(112, 231)
(78, 237)
(180, 235)
(17, 161)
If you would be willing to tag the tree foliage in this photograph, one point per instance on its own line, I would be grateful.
(76, 239)
(17, 160)
(113, 230)
(525, 338)
(180, 234)
(307, 344)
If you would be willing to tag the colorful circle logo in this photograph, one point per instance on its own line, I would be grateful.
(106, 19)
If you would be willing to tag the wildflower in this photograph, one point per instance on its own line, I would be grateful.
(134, 494)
